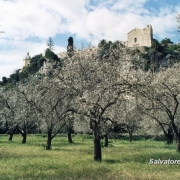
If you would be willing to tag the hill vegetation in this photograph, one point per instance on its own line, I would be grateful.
(152, 56)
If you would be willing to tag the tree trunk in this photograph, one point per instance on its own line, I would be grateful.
(69, 136)
(24, 138)
(10, 136)
(106, 140)
(94, 125)
(97, 149)
(169, 139)
(130, 135)
(48, 145)
(23, 133)
(170, 136)
(178, 144)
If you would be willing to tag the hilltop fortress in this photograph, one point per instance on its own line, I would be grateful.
(139, 37)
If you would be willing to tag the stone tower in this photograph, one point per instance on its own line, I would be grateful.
(140, 37)
(26, 60)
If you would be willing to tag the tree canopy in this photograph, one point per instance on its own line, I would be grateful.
(50, 44)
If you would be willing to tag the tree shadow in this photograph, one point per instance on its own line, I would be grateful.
(111, 161)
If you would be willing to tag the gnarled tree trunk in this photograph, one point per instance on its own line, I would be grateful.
(178, 139)
(11, 136)
(177, 133)
(96, 128)
(97, 149)
(170, 136)
(97, 141)
(178, 145)
(49, 140)
(24, 135)
(11, 132)
(130, 135)
(106, 143)
(69, 136)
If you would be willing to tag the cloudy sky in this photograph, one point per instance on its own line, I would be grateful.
(29, 23)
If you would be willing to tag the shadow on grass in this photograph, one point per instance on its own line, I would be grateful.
(111, 161)
(109, 146)
(81, 152)
(61, 149)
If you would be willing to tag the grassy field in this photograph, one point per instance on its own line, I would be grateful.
(122, 160)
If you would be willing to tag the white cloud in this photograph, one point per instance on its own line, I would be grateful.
(111, 20)
(22, 19)
(130, 6)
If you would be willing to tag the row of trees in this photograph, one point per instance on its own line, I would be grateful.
(100, 92)
(104, 92)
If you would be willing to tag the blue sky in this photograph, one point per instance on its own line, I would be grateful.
(29, 23)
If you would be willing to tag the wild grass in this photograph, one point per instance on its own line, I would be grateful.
(122, 160)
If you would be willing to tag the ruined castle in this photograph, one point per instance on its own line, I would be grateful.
(139, 37)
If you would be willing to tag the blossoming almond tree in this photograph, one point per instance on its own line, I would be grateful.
(100, 83)
(161, 100)
(18, 114)
(51, 100)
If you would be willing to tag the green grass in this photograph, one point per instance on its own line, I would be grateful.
(122, 160)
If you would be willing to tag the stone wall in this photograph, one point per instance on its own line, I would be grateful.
(140, 37)
(26, 62)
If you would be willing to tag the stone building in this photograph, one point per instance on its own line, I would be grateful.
(26, 60)
(140, 37)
